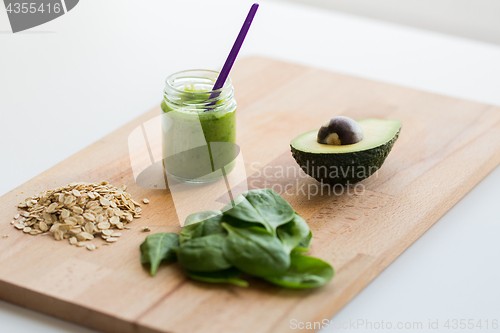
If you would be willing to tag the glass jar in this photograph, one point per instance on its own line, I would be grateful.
(199, 127)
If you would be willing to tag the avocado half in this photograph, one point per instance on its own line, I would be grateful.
(347, 164)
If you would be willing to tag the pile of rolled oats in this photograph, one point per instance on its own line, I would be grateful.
(79, 212)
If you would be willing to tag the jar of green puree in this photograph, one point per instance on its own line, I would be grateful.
(199, 127)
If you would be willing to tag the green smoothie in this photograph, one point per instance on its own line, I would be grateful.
(198, 140)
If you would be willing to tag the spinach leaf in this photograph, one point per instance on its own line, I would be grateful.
(304, 244)
(292, 233)
(255, 251)
(158, 247)
(261, 206)
(231, 275)
(210, 226)
(213, 226)
(203, 254)
(191, 231)
(304, 272)
(201, 216)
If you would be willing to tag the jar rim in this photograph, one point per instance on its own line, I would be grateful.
(170, 78)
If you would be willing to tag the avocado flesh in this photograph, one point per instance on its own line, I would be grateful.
(347, 164)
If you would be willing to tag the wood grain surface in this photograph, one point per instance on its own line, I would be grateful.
(446, 147)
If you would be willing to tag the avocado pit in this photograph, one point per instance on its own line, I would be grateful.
(340, 131)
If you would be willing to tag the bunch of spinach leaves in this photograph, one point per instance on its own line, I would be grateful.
(258, 234)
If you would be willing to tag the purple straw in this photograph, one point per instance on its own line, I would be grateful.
(224, 73)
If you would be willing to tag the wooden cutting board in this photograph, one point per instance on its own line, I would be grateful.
(446, 147)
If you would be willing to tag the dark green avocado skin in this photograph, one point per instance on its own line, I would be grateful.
(344, 168)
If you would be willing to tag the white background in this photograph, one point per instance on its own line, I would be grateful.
(67, 83)
(477, 19)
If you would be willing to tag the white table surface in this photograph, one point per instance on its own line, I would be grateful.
(65, 84)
